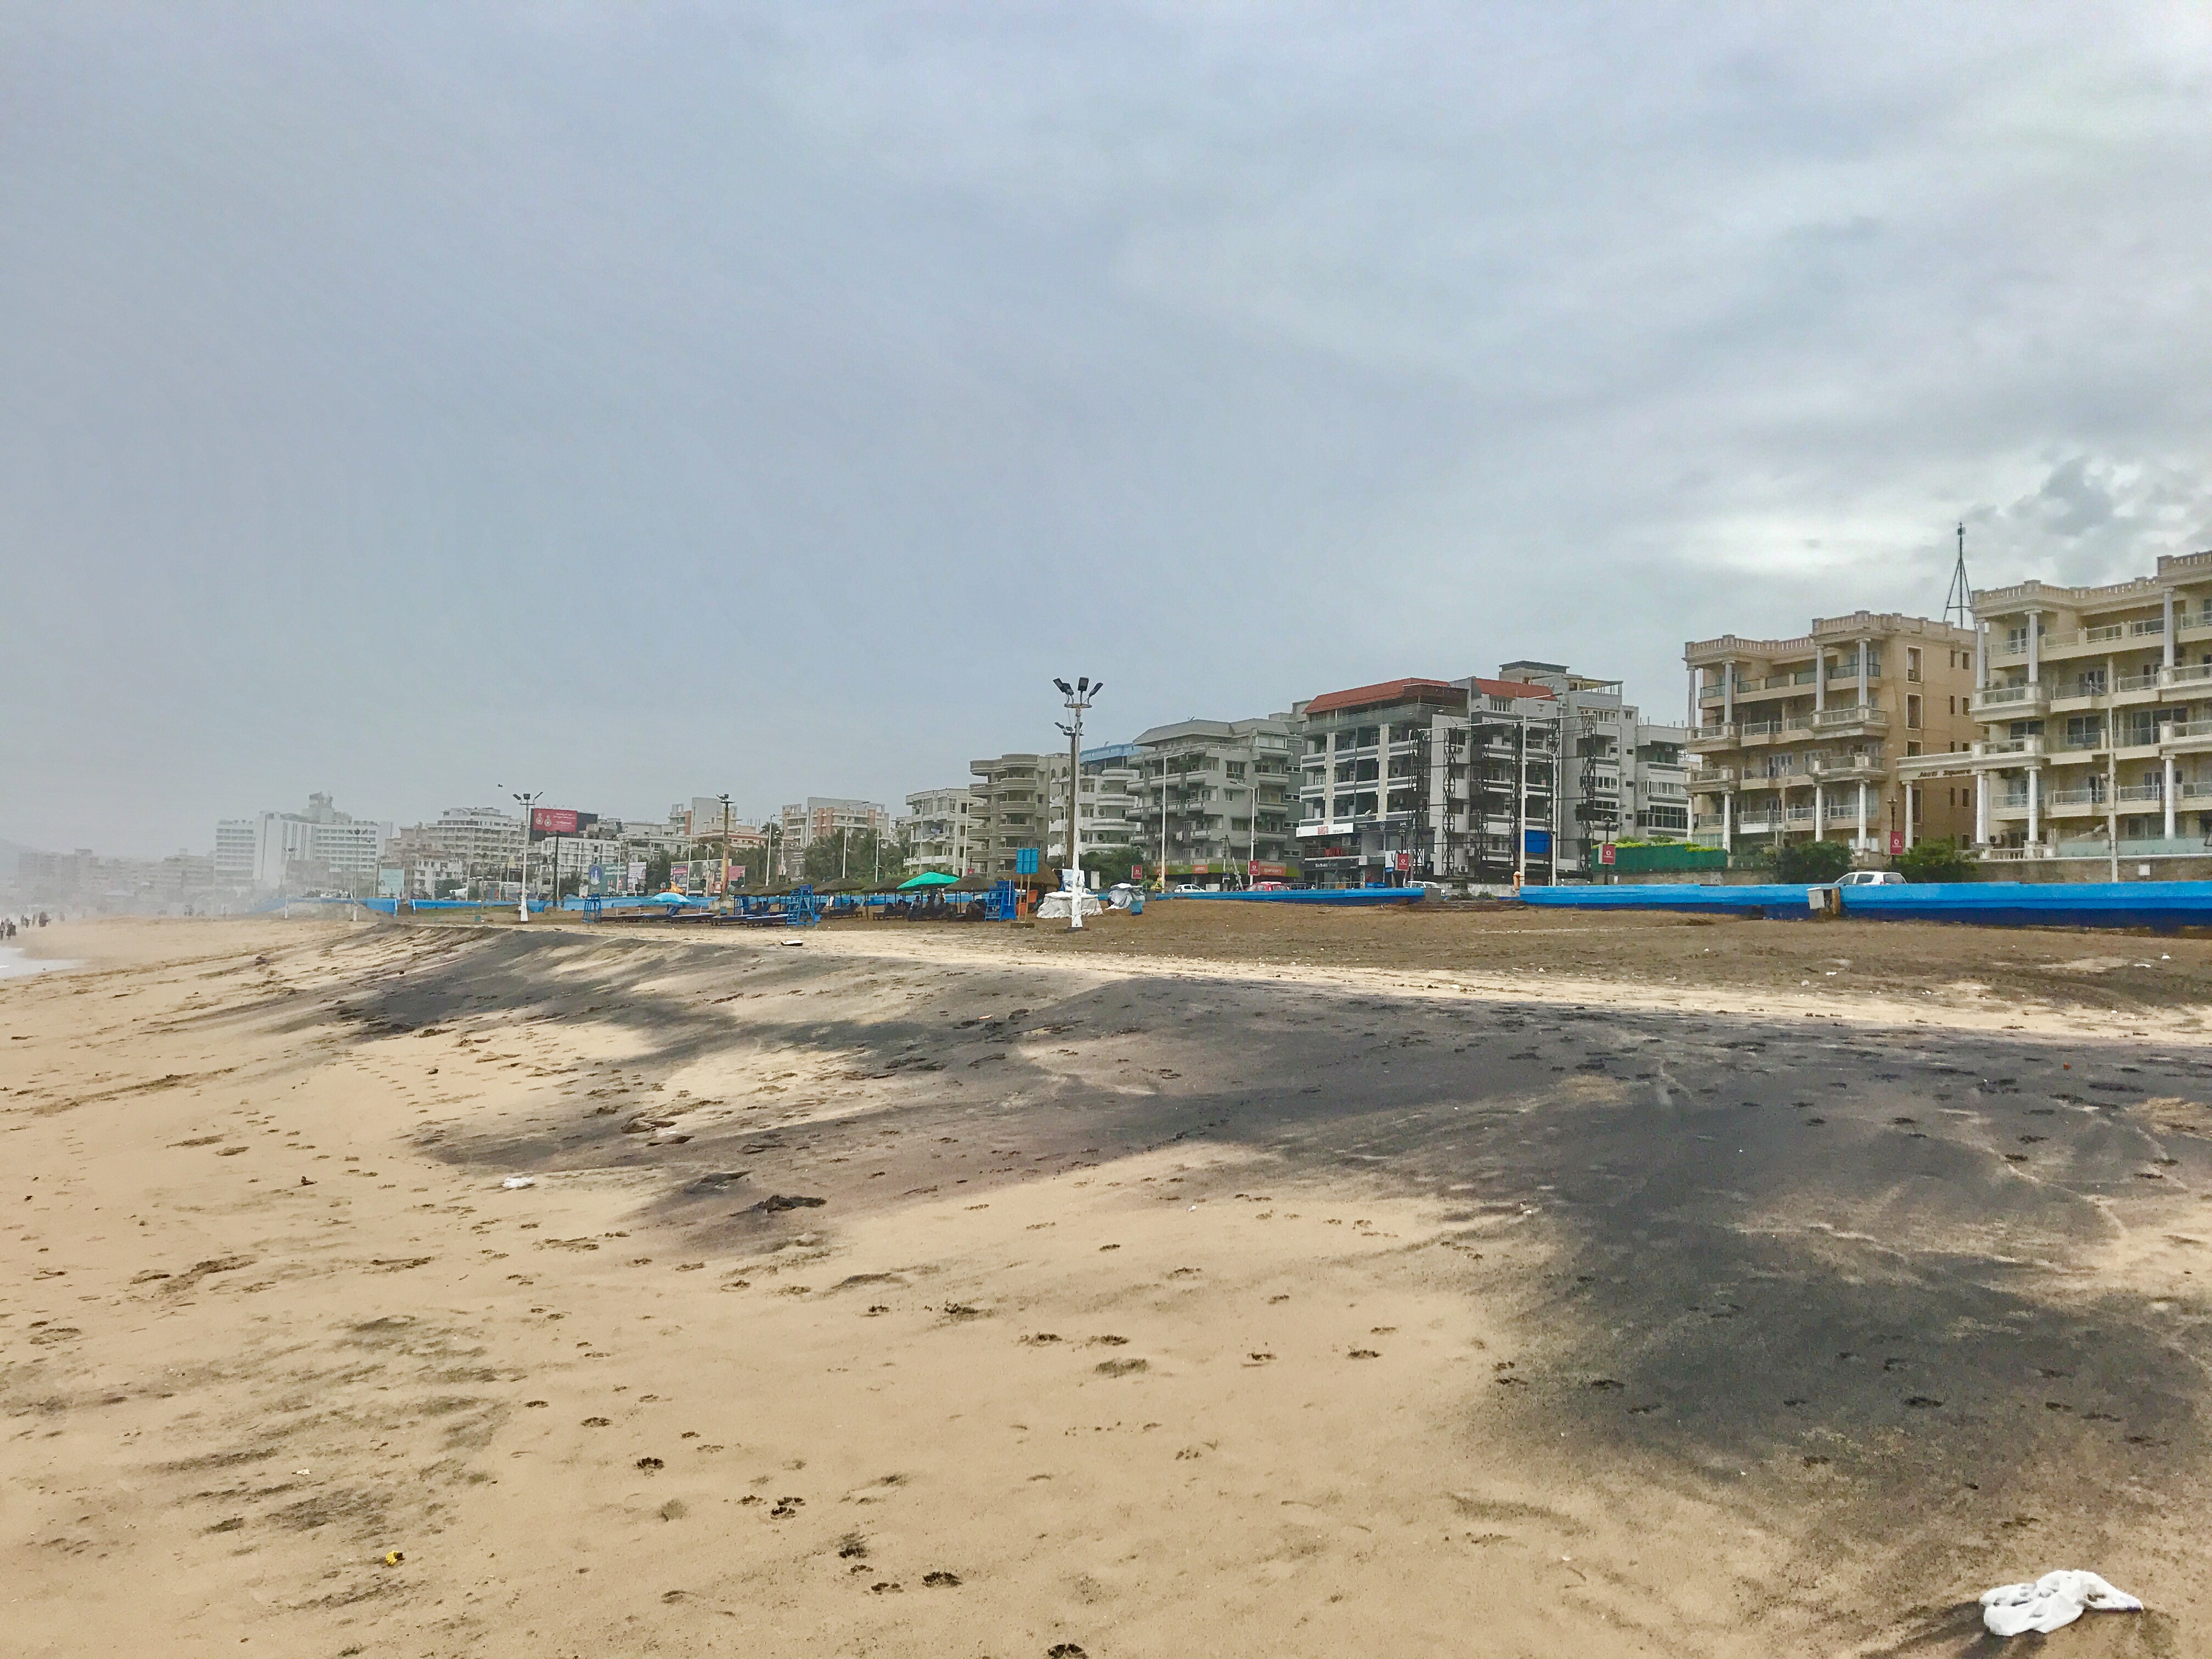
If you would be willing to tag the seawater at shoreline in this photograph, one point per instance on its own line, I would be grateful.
(14, 965)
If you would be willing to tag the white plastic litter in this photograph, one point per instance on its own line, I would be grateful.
(513, 1181)
(2051, 1602)
(794, 943)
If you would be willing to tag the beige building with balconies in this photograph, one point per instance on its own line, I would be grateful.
(2095, 710)
(1808, 739)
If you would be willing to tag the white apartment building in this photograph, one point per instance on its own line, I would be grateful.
(938, 821)
(822, 818)
(1110, 805)
(1621, 777)
(277, 851)
(483, 839)
(1217, 797)
(1431, 780)
(2094, 710)
(1484, 781)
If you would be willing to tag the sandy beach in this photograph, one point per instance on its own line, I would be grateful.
(1201, 1290)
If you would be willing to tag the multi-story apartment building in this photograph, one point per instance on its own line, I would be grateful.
(1217, 797)
(2094, 710)
(1810, 738)
(822, 818)
(1011, 810)
(937, 824)
(1436, 779)
(320, 846)
(1620, 777)
(1490, 781)
(1111, 811)
(484, 841)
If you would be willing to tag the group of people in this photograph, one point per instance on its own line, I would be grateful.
(9, 924)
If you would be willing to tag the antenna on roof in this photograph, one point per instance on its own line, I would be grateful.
(1959, 603)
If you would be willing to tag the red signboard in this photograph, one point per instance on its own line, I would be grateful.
(1405, 861)
(553, 820)
(1896, 842)
(1605, 854)
(1270, 871)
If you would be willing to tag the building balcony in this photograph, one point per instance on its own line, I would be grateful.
(2055, 645)
(1789, 730)
(2188, 738)
(1859, 717)
(1846, 771)
(2007, 752)
(2017, 702)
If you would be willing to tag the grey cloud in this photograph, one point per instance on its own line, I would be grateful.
(400, 399)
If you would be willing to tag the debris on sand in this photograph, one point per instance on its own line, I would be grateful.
(2051, 1602)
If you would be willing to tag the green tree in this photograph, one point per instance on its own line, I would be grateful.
(656, 873)
(1112, 863)
(1812, 862)
(860, 856)
(1942, 859)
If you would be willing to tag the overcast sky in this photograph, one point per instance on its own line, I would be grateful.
(632, 401)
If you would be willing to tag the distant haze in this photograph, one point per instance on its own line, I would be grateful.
(633, 402)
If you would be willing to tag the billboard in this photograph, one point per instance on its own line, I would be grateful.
(1269, 871)
(559, 821)
(679, 877)
(1536, 842)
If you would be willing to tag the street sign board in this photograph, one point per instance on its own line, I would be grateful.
(1025, 860)
(1605, 854)
(1896, 844)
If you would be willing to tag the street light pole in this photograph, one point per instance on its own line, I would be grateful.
(529, 805)
(725, 800)
(1077, 698)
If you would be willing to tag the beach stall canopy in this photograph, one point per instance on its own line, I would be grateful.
(929, 878)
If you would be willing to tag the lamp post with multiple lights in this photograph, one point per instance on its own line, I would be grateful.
(529, 803)
(1078, 698)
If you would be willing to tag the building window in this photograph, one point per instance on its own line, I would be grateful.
(1911, 662)
(1912, 711)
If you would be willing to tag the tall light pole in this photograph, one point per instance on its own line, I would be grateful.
(1078, 698)
(529, 803)
(725, 800)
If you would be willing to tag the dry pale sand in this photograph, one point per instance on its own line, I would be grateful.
(1147, 1308)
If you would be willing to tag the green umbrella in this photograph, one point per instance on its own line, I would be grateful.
(929, 878)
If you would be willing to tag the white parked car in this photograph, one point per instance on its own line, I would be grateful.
(1872, 878)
